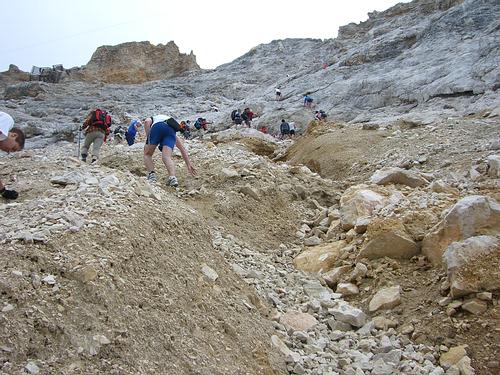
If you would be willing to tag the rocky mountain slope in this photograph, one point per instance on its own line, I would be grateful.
(367, 245)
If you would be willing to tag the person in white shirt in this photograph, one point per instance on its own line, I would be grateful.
(292, 129)
(11, 140)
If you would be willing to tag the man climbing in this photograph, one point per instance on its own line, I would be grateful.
(284, 129)
(161, 133)
(247, 116)
(11, 140)
(132, 129)
(96, 127)
(308, 100)
(236, 117)
(201, 123)
(278, 94)
(291, 125)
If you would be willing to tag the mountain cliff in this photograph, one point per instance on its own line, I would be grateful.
(137, 62)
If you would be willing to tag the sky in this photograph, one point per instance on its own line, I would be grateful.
(49, 32)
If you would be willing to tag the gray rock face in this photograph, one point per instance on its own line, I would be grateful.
(22, 90)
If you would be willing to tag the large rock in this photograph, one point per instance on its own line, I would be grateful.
(453, 356)
(471, 216)
(137, 62)
(360, 201)
(348, 314)
(12, 76)
(473, 265)
(25, 89)
(319, 258)
(397, 175)
(388, 238)
(298, 321)
(386, 298)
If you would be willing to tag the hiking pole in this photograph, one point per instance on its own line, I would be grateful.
(79, 137)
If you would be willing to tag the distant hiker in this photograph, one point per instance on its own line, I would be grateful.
(131, 132)
(247, 116)
(96, 127)
(284, 129)
(308, 101)
(119, 133)
(278, 94)
(291, 125)
(11, 140)
(320, 115)
(185, 129)
(161, 132)
(214, 108)
(236, 117)
(263, 129)
(201, 123)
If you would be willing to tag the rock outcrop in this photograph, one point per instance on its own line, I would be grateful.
(12, 76)
(137, 62)
(471, 216)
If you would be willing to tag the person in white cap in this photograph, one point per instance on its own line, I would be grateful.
(11, 140)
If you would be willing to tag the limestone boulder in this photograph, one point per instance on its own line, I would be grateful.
(388, 238)
(395, 175)
(473, 265)
(319, 258)
(298, 321)
(333, 276)
(348, 314)
(385, 299)
(471, 216)
(361, 200)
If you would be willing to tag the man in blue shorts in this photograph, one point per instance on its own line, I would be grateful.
(160, 132)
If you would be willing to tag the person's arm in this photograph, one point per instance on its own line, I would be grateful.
(147, 126)
(87, 121)
(191, 169)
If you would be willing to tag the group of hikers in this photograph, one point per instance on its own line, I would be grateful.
(239, 117)
(160, 131)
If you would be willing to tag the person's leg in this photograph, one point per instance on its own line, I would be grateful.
(148, 157)
(96, 146)
(166, 157)
(86, 144)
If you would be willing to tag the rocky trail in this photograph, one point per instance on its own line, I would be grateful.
(255, 266)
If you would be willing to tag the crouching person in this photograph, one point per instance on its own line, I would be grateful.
(11, 140)
(161, 132)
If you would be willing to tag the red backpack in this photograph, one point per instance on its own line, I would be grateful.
(101, 119)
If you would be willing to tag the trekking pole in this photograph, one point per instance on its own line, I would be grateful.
(79, 137)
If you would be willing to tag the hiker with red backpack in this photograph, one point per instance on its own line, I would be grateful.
(97, 127)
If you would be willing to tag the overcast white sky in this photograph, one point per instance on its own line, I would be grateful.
(48, 32)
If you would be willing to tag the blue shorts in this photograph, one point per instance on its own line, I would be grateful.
(130, 138)
(161, 134)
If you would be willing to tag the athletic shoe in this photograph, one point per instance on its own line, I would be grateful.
(152, 178)
(172, 181)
